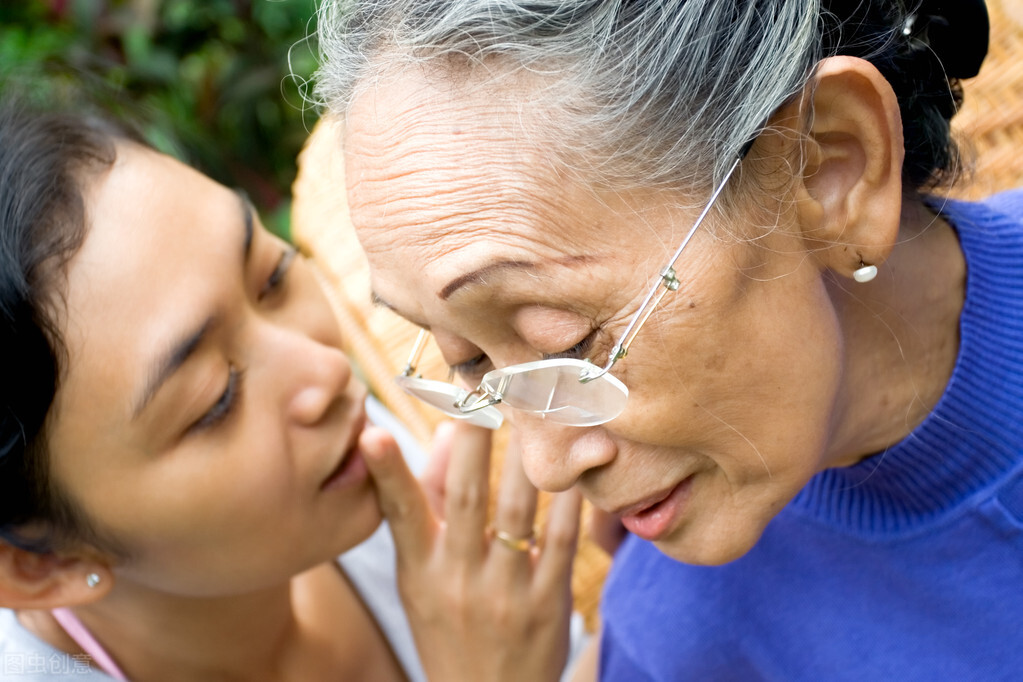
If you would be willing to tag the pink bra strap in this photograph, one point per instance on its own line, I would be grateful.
(78, 632)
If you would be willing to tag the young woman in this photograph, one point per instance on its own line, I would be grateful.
(186, 452)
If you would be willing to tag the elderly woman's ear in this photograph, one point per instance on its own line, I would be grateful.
(849, 194)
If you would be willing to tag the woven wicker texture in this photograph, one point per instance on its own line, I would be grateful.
(991, 123)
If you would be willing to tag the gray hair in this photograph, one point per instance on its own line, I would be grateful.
(645, 92)
(665, 91)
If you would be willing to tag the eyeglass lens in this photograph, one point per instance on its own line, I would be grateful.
(553, 389)
(446, 398)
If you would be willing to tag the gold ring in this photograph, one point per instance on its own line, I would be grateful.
(515, 543)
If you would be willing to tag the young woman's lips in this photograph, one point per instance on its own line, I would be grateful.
(654, 520)
(351, 467)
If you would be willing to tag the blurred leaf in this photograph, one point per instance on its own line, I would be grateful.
(217, 83)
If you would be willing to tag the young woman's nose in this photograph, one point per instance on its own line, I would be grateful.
(555, 456)
(313, 376)
(327, 378)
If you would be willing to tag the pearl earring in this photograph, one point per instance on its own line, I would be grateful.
(865, 273)
(92, 580)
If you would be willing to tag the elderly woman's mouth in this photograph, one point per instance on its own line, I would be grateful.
(653, 519)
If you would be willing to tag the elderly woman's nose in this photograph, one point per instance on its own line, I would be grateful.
(555, 456)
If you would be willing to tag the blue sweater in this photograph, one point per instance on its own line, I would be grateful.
(906, 566)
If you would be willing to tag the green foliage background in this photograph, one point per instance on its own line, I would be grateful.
(217, 83)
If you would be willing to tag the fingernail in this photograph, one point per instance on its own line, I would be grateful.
(374, 442)
(444, 433)
(445, 429)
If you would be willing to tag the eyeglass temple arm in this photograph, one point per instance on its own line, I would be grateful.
(416, 354)
(667, 281)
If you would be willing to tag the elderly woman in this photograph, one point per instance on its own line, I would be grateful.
(687, 248)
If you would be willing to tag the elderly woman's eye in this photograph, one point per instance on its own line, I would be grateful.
(472, 368)
(578, 351)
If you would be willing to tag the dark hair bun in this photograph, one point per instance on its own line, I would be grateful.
(956, 31)
(923, 48)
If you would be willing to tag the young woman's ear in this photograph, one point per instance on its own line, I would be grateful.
(30, 580)
(849, 194)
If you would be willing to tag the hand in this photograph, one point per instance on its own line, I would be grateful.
(479, 608)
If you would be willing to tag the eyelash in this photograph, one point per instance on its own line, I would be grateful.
(578, 350)
(225, 403)
(471, 368)
(278, 277)
(222, 409)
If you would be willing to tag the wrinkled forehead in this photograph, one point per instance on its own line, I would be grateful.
(434, 171)
(445, 181)
(419, 145)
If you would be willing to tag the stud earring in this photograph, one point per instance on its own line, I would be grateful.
(865, 273)
(92, 580)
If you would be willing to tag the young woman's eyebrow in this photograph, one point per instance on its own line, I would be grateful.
(180, 351)
(168, 363)
(247, 221)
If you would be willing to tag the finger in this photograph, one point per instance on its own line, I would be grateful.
(606, 530)
(516, 504)
(437, 466)
(467, 491)
(399, 495)
(560, 538)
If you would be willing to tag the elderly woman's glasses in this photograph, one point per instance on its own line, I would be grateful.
(561, 390)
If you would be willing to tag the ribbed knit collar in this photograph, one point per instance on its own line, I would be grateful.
(974, 436)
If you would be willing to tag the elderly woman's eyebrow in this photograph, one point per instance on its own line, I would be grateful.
(474, 277)
(478, 276)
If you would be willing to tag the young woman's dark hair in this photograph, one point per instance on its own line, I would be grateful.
(45, 161)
